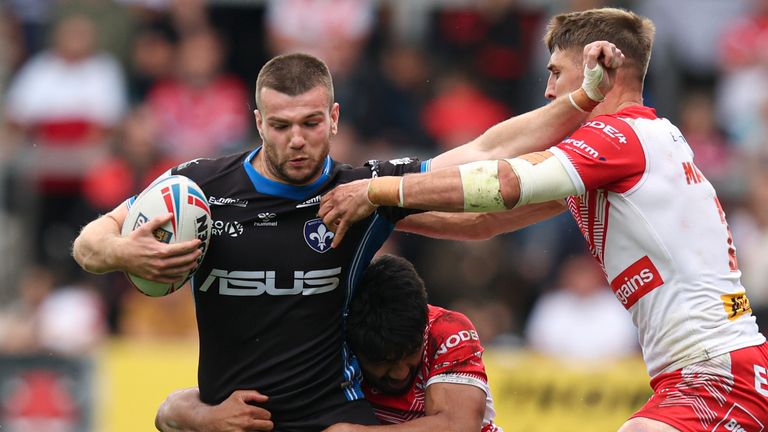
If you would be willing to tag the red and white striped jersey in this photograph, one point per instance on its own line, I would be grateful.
(453, 354)
(654, 223)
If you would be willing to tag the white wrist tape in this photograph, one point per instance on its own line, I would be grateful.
(482, 190)
(592, 79)
(545, 181)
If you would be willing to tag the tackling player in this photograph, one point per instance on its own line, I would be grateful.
(422, 365)
(650, 218)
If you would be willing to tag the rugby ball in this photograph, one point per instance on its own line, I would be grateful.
(191, 219)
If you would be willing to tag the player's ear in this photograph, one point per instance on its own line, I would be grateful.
(259, 122)
(335, 113)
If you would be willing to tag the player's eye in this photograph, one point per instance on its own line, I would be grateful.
(311, 124)
(279, 126)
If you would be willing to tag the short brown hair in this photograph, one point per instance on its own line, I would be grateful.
(631, 33)
(294, 74)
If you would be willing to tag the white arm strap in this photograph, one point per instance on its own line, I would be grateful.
(545, 181)
(482, 191)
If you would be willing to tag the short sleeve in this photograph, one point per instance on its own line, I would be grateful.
(605, 153)
(456, 347)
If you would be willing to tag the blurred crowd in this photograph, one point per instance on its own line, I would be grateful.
(101, 96)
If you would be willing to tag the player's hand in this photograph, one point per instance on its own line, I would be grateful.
(345, 205)
(601, 61)
(235, 414)
(141, 254)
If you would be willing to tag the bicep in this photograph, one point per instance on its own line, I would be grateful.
(462, 404)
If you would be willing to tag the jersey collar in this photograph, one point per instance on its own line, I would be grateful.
(285, 190)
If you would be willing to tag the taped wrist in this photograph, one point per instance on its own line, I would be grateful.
(581, 101)
(545, 181)
(384, 191)
(482, 190)
(592, 79)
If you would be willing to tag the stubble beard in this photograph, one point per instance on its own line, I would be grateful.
(280, 170)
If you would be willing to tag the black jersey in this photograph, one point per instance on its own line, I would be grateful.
(271, 294)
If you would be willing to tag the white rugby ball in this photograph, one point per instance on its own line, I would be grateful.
(191, 219)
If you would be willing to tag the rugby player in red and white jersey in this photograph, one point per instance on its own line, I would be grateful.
(422, 365)
(650, 218)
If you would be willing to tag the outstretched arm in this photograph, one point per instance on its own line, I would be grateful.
(448, 407)
(100, 249)
(542, 128)
(183, 411)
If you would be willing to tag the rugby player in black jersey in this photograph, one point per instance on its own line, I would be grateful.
(271, 293)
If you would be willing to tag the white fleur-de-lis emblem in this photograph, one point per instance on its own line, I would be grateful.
(317, 235)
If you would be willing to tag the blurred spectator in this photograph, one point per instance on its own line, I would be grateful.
(494, 40)
(460, 111)
(750, 235)
(153, 58)
(713, 153)
(113, 22)
(202, 112)
(134, 164)
(65, 319)
(32, 17)
(334, 30)
(685, 49)
(581, 320)
(743, 58)
(62, 105)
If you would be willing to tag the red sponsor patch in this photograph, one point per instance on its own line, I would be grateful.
(636, 281)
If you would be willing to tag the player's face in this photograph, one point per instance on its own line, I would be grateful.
(565, 73)
(392, 377)
(297, 132)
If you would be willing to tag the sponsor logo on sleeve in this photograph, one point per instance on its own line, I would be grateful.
(455, 339)
(227, 201)
(584, 148)
(736, 305)
(636, 281)
(608, 130)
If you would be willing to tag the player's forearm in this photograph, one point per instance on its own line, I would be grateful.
(478, 226)
(179, 412)
(529, 132)
(96, 247)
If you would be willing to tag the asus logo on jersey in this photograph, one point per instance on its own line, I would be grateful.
(256, 283)
(608, 130)
(456, 338)
(581, 145)
(636, 281)
(226, 201)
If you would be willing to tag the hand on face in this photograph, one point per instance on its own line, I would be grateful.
(345, 205)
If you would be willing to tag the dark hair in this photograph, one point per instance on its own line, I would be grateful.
(388, 313)
(294, 74)
(631, 33)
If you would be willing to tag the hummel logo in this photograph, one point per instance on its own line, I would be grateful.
(310, 202)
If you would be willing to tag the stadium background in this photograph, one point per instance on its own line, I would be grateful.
(84, 125)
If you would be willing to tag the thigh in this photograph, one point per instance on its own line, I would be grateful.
(726, 393)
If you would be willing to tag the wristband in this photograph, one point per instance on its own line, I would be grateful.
(384, 191)
(581, 101)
